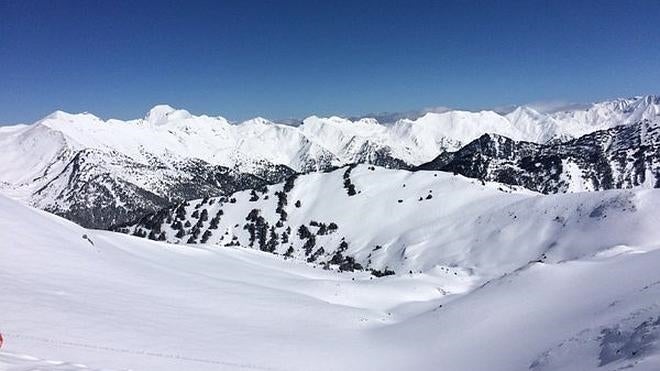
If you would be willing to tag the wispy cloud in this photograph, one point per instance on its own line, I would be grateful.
(555, 106)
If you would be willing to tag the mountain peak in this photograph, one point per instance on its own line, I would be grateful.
(57, 114)
(367, 121)
(522, 111)
(60, 115)
(163, 113)
(652, 99)
(257, 121)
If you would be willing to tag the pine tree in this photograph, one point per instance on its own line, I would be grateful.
(206, 236)
(180, 233)
(303, 232)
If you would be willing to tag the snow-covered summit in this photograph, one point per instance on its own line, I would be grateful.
(162, 114)
(413, 141)
(167, 137)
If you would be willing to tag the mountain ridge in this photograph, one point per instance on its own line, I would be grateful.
(414, 141)
(625, 156)
(398, 221)
(158, 156)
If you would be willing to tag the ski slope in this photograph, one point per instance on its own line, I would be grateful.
(115, 302)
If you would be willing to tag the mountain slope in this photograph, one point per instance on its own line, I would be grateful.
(110, 301)
(625, 156)
(138, 166)
(56, 166)
(362, 217)
(99, 189)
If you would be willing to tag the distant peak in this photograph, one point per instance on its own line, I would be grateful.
(57, 114)
(258, 120)
(162, 113)
(367, 121)
(62, 115)
(652, 99)
(159, 112)
(323, 120)
(525, 111)
(337, 120)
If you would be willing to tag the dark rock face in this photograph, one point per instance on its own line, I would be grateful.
(98, 189)
(275, 173)
(374, 154)
(621, 157)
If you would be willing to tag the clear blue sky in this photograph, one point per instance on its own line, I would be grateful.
(282, 59)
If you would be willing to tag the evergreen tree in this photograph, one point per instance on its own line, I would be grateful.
(206, 236)
(180, 233)
(303, 232)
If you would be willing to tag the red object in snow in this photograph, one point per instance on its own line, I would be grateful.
(1, 340)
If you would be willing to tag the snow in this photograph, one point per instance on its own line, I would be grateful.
(573, 177)
(468, 227)
(450, 130)
(500, 277)
(131, 303)
(112, 301)
(162, 114)
(166, 131)
(23, 362)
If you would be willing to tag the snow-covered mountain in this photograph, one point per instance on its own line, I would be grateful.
(102, 173)
(487, 278)
(319, 142)
(626, 156)
(364, 217)
(99, 172)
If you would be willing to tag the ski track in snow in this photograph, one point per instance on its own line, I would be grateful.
(101, 348)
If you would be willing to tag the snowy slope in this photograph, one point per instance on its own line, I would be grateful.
(171, 154)
(607, 114)
(102, 173)
(74, 298)
(317, 142)
(411, 221)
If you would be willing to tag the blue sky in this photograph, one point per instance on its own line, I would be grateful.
(281, 59)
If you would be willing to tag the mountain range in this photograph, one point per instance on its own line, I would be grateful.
(334, 244)
(626, 156)
(101, 173)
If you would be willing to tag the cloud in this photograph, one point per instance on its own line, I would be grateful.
(555, 106)
(436, 109)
